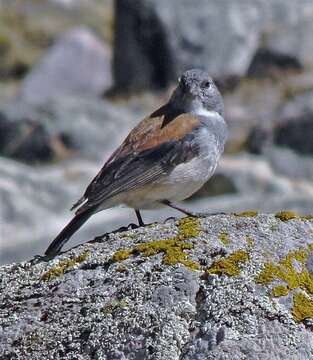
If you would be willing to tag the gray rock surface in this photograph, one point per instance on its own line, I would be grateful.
(290, 126)
(218, 287)
(165, 37)
(77, 64)
(63, 126)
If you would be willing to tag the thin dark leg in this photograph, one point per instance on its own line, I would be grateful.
(176, 207)
(140, 221)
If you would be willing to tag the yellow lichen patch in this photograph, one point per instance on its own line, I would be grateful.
(173, 248)
(223, 237)
(230, 265)
(188, 228)
(121, 255)
(293, 279)
(250, 241)
(302, 307)
(284, 271)
(63, 266)
(286, 215)
(280, 290)
(247, 213)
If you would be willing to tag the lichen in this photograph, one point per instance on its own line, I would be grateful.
(285, 272)
(250, 241)
(292, 279)
(173, 248)
(247, 213)
(280, 290)
(286, 215)
(223, 237)
(121, 255)
(229, 265)
(302, 307)
(289, 215)
(63, 266)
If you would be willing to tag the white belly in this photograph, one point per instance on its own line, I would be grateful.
(181, 183)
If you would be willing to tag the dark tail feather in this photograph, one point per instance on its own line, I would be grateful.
(78, 220)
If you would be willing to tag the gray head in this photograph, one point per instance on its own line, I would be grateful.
(196, 91)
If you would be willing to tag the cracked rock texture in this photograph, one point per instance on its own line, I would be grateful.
(217, 287)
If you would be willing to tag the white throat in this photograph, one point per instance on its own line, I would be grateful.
(200, 110)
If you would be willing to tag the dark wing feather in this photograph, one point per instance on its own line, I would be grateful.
(133, 171)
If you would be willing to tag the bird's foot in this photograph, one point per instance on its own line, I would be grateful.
(170, 219)
(40, 258)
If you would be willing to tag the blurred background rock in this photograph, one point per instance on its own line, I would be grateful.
(76, 75)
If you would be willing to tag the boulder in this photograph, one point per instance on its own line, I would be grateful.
(62, 127)
(291, 127)
(217, 287)
(163, 38)
(77, 64)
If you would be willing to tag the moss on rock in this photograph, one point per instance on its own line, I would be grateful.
(173, 248)
(302, 307)
(280, 290)
(223, 237)
(229, 265)
(286, 215)
(247, 213)
(292, 279)
(62, 267)
(285, 271)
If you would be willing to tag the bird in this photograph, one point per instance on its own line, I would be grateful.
(166, 158)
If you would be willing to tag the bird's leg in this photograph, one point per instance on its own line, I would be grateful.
(140, 221)
(176, 207)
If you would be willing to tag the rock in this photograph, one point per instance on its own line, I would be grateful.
(26, 140)
(217, 287)
(294, 127)
(61, 127)
(219, 184)
(164, 38)
(296, 133)
(286, 162)
(266, 63)
(291, 126)
(77, 64)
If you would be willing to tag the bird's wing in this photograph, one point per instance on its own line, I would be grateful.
(150, 151)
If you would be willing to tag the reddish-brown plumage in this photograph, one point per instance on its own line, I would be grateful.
(150, 133)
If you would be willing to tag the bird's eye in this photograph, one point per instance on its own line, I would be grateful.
(206, 84)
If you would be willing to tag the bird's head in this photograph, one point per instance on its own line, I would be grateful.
(196, 93)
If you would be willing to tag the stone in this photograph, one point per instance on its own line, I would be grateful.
(219, 184)
(290, 126)
(164, 38)
(180, 293)
(62, 127)
(296, 134)
(268, 62)
(77, 64)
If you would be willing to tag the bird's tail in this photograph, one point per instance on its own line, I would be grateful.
(78, 220)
